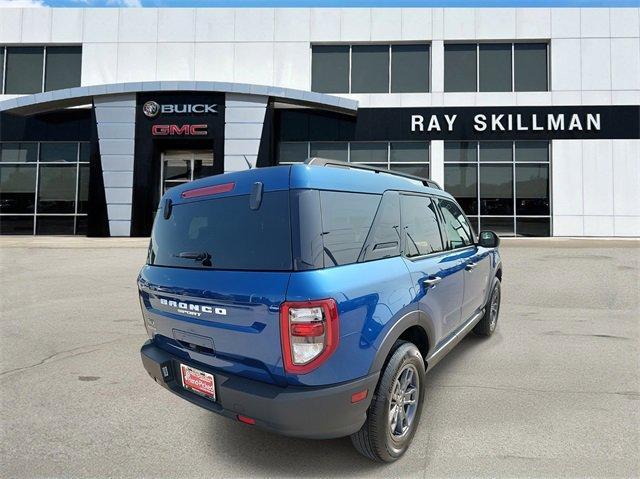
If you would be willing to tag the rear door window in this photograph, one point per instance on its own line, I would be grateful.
(346, 221)
(225, 233)
(421, 226)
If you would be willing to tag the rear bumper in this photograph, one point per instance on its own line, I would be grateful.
(318, 413)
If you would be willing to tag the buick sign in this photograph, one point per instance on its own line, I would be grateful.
(153, 109)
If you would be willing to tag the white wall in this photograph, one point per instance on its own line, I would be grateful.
(596, 187)
(595, 53)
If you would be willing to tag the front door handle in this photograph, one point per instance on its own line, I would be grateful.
(429, 282)
(470, 266)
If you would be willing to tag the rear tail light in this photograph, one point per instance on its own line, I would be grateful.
(309, 333)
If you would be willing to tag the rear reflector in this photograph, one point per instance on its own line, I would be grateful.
(208, 190)
(359, 396)
(307, 329)
(246, 420)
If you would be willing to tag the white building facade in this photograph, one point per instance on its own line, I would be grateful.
(530, 117)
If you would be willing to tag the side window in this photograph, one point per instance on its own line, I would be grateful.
(346, 220)
(384, 238)
(455, 224)
(421, 227)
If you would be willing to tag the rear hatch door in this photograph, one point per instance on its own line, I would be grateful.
(217, 272)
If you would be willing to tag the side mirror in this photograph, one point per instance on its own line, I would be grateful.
(488, 239)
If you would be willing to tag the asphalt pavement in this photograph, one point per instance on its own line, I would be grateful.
(554, 393)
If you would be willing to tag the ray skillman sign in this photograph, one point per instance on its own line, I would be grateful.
(499, 123)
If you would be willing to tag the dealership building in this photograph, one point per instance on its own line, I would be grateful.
(529, 117)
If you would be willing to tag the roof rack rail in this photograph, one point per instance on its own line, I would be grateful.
(344, 164)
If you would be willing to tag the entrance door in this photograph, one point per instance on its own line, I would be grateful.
(183, 166)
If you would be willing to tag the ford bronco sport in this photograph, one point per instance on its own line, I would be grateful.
(311, 299)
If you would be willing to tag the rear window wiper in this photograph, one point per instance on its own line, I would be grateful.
(202, 256)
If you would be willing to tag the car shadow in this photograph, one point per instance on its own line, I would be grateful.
(275, 455)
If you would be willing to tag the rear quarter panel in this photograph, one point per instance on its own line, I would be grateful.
(371, 296)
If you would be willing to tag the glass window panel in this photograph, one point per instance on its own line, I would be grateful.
(293, 151)
(83, 189)
(532, 151)
(496, 189)
(55, 225)
(533, 227)
(294, 125)
(500, 226)
(409, 68)
(1, 68)
(473, 221)
(17, 188)
(346, 221)
(416, 170)
(462, 182)
(532, 189)
(460, 67)
(202, 164)
(458, 229)
(63, 68)
(18, 152)
(384, 238)
(330, 68)
(24, 70)
(334, 150)
(495, 67)
(59, 152)
(370, 69)
(409, 152)
(85, 152)
(421, 226)
(177, 169)
(496, 151)
(81, 225)
(16, 225)
(369, 152)
(530, 67)
(235, 236)
(57, 189)
(460, 151)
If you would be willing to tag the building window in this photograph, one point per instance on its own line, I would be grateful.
(460, 71)
(44, 187)
(410, 157)
(330, 68)
(495, 67)
(27, 70)
(63, 67)
(501, 185)
(402, 68)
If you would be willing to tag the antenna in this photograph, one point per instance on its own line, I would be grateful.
(248, 162)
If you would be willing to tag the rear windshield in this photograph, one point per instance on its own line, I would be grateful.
(225, 233)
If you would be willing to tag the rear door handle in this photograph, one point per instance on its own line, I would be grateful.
(429, 282)
(470, 266)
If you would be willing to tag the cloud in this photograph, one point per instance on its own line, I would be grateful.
(124, 3)
(21, 3)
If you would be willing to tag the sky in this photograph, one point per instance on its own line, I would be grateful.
(319, 3)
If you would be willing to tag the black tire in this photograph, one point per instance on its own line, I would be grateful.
(375, 439)
(487, 325)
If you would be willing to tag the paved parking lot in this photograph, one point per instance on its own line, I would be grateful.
(555, 392)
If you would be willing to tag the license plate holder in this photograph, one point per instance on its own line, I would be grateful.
(198, 382)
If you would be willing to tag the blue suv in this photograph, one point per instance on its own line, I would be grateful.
(311, 299)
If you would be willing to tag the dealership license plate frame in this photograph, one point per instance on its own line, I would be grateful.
(191, 385)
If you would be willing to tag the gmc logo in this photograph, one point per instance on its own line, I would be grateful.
(179, 130)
